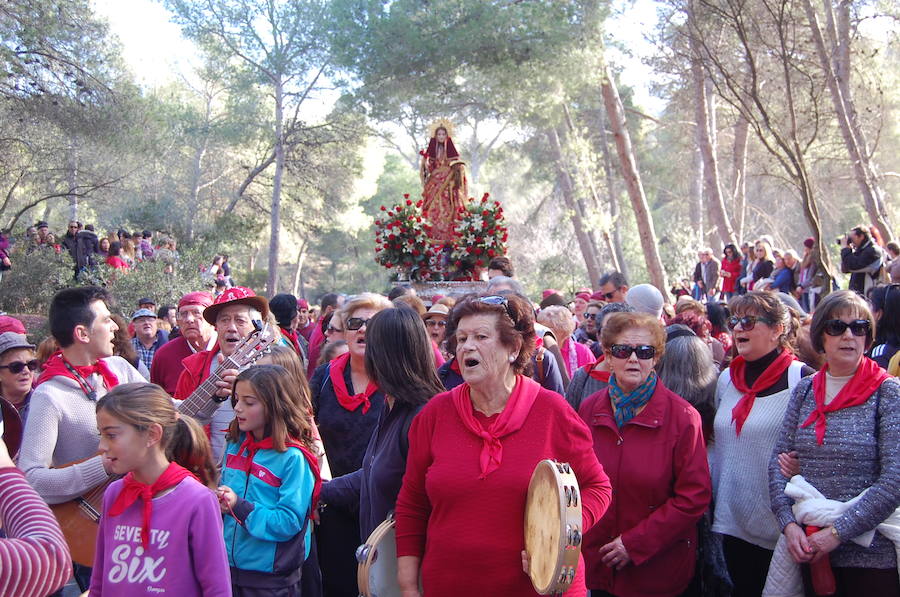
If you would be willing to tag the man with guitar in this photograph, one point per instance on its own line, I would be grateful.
(62, 426)
(233, 315)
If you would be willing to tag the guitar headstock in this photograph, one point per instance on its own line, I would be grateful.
(252, 347)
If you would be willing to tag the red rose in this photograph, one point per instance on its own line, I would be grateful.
(392, 236)
(485, 213)
(383, 208)
(388, 265)
(479, 263)
(407, 263)
(505, 237)
(390, 213)
(497, 203)
(419, 220)
(408, 201)
(469, 249)
(458, 263)
(419, 203)
(491, 252)
(479, 251)
(416, 252)
(406, 196)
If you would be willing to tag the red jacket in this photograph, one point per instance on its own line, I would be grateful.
(661, 487)
(733, 268)
(196, 369)
(166, 367)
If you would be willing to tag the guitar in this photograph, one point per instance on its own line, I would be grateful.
(79, 517)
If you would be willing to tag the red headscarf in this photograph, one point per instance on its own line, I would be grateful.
(133, 489)
(336, 374)
(509, 421)
(868, 377)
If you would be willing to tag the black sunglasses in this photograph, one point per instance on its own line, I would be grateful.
(17, 367)
(593, 316)
(433, 323)
(499, 300)
(623, 351)
(748, 322)
(354, 323)
(331, 329)
(858, 327)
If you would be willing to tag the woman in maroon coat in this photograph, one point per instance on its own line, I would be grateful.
(650, 443)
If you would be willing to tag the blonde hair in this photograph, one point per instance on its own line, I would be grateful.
(366, 300)
(183, 441)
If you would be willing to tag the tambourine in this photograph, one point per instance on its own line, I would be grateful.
(376, 572)
(553, 527)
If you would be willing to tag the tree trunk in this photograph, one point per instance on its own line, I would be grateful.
(711, 179)
(568, 193)
(632, 177)
(274, 235)
(864, 170)
(739, 175)
(696, 189)
(72, 179)
(612, 198)
(194, 205)
(298, 270)
(584, 172)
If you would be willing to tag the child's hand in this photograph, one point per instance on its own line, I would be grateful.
(227, 498)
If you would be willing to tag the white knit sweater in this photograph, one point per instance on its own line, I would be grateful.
(739, 463)
(62, 428)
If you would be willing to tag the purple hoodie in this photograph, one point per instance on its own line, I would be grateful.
(186, 553)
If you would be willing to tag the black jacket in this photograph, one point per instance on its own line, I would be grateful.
(858, 259)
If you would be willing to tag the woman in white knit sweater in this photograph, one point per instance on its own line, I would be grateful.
(751, 397)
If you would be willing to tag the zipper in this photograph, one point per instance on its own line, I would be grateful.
(236, 523)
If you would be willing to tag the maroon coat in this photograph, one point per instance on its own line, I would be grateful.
(661, 487)
(166, 367)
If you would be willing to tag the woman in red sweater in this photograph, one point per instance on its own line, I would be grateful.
(472, 451)
(730, 271)
(650, 442)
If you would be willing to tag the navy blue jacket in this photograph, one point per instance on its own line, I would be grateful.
(374, 487)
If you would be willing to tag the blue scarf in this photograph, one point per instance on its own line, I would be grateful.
(627, 405)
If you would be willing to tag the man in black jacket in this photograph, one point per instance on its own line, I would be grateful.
(87, 245)
(860, 258)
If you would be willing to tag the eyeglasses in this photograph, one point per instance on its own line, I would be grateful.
(17, 367)
(858, 327)
(594, 316)
(499, 300)
(434, 323)
(331, 330)
(748, 322)
(623, 351)
(354, 323)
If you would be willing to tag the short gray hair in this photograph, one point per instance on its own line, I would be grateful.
(505, 281)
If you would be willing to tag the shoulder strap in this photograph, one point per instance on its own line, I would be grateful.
(795, 373)
(539, 364)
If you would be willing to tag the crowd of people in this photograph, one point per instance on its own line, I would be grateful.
(743, 440)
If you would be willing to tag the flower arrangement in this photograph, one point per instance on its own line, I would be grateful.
(401, 240)
(480, 235)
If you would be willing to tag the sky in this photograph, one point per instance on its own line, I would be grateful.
(157, 53)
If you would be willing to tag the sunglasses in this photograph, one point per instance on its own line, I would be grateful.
(17, 367)
(331, 330)
(858, 327)
(594, 316)
(748, 322)
(434, 323)
(354, 323)
(623, 351)
(499, 300)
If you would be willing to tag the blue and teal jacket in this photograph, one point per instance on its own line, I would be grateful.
(268, 537)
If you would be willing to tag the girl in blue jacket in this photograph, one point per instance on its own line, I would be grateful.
(270, 483)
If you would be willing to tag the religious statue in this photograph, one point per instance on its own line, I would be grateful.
(444, 182)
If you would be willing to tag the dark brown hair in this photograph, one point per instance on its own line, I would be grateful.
(515, 324)
(285, 407)
(832, 307)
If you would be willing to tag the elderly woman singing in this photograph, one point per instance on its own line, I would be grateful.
(650, 442)
(461, 510)
(844, 424)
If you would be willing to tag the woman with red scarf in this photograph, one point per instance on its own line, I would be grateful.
(844, 424)
(751, 397)
(472, 451)
(444, 181)
(347, 405)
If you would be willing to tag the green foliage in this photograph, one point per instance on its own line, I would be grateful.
(33, 280)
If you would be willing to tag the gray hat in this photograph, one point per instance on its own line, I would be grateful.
(10, 340)
(143, 313)
(645, 298)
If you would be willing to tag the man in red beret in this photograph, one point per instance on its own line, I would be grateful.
(305, 324)
(195, 336)
(232, 314)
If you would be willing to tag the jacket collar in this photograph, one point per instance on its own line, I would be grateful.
(652, 416)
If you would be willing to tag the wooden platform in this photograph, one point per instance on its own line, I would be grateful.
(455, 289)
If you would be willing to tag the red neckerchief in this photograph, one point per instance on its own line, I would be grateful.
(351, 403)
(593, 372)
(863, 384)
(266, 443)
(133, 489)
(509, 421)
(56, 366)
(773, 373)
(292, 337)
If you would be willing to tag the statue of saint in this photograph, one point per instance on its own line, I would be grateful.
(445, 189)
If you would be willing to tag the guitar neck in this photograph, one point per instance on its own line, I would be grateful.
(202, 397)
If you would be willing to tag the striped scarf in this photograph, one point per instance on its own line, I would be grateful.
(627, 405)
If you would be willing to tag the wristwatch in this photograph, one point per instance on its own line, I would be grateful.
(835, 534)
